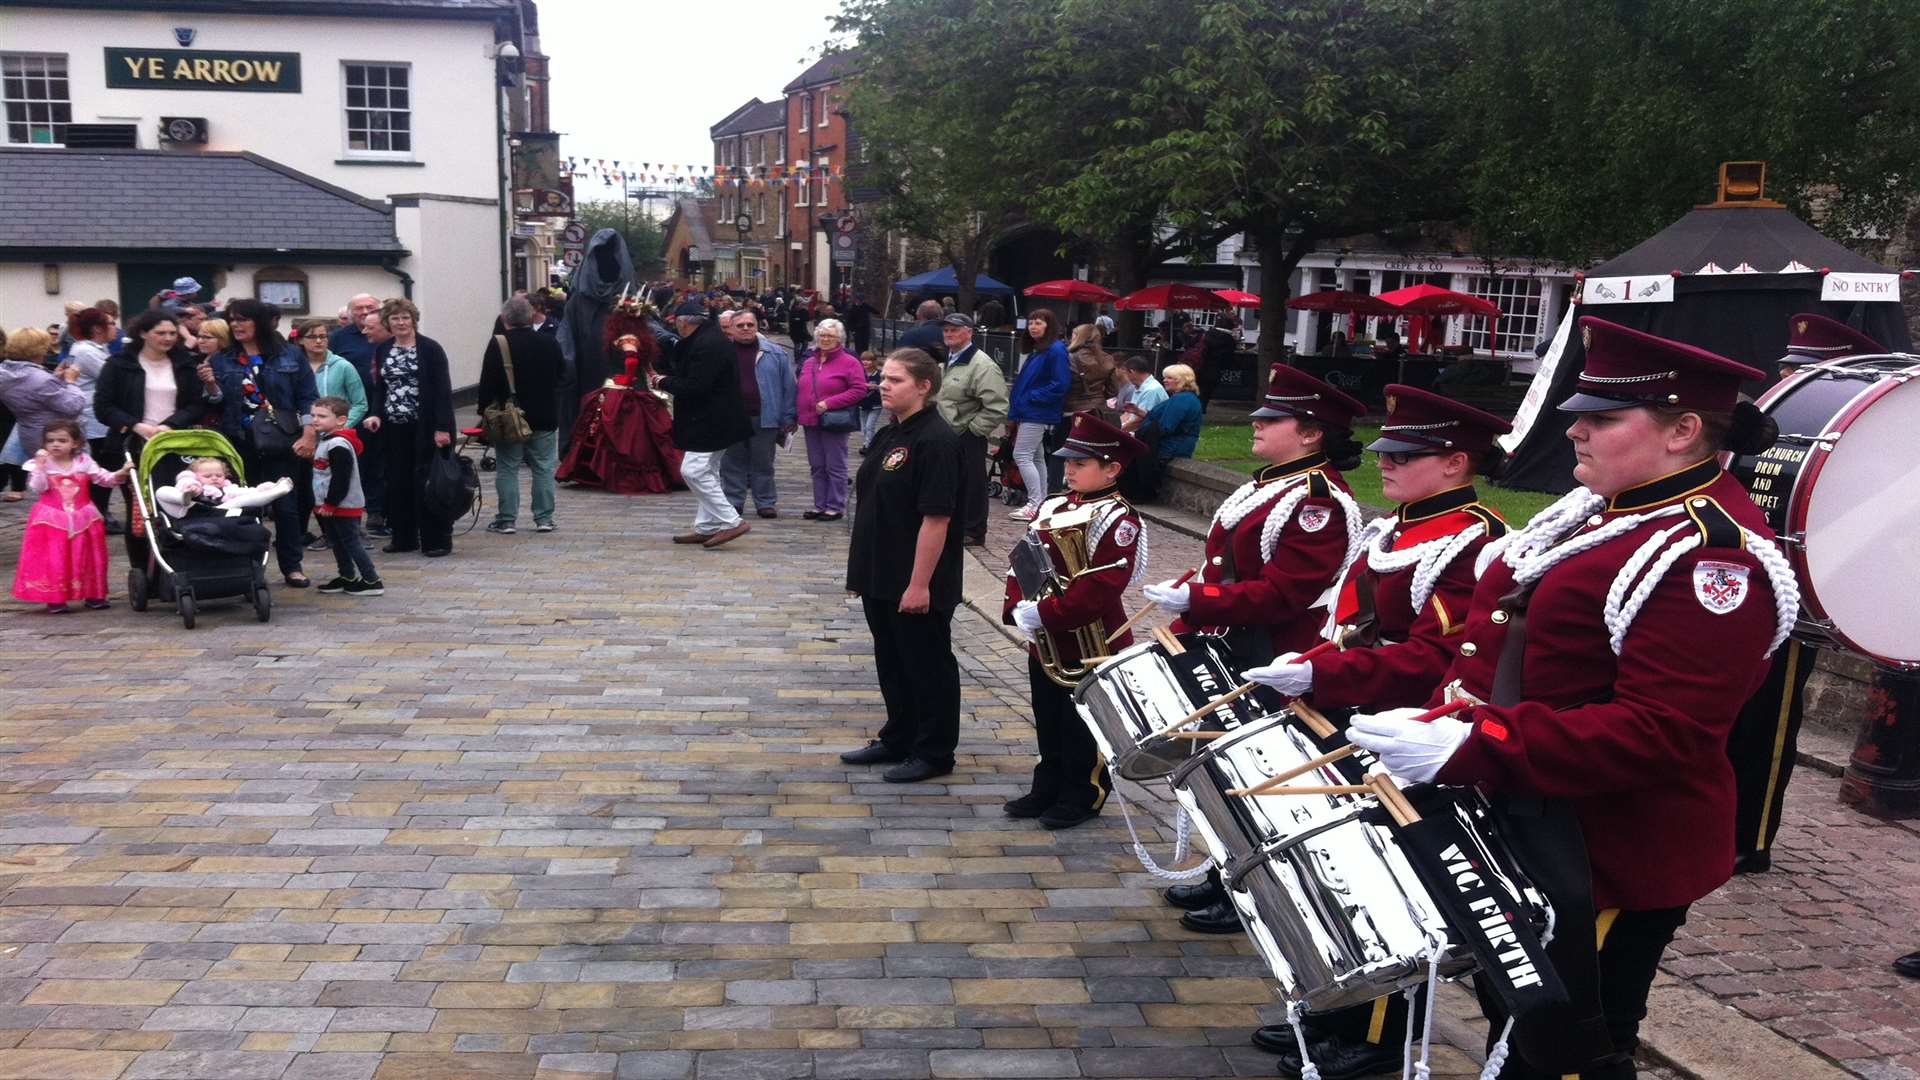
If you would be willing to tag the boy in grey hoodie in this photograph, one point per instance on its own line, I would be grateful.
(338, 501)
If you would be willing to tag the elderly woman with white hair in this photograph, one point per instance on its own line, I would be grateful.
(832, 384)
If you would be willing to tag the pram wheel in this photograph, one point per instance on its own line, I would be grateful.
(262, 604)
(994, 489)
(183, 602)
(137, 589)
(1014, 497)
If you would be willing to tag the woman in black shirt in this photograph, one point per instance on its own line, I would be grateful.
(904, 565)
(411, 406)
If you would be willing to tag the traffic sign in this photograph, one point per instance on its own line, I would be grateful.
(843, 249)
(574, 234)
(847, 223)
(571, 258)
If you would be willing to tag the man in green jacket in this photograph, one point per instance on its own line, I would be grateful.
(973, 401)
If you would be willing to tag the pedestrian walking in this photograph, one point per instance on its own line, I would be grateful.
(708, 417)
(524, 365)
(973, 401)
(904, 565)
(832, 384)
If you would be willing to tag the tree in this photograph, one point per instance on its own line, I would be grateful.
(930, 111)
(646, 241)
(1290, 123)
(1596, 125)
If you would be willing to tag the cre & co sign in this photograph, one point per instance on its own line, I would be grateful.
(181, 69)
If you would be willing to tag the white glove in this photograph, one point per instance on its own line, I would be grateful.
(1290, 679)
(1413, 752)
(1026, 616)
(1174, 598)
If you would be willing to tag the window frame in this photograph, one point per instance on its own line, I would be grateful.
(1522, 306)
(347, 108)
(822, 168)
(825, 114)
(53, 105)
(806, 109)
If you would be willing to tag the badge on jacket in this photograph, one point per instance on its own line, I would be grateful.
(895, 458)
(1721, 586)
(1125, 533)
(1315, 518)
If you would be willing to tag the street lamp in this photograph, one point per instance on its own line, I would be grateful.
(744, 223)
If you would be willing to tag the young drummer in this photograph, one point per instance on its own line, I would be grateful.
(1070, 782)
(1400, 603)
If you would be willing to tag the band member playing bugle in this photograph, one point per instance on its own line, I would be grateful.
(1608, 647)
(1083, 551)
(1275, 549)
(1400, 604)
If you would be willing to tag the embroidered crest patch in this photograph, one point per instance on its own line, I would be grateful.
(1721, 586)
(1125, 533)
(895, 458)
(1315, 518)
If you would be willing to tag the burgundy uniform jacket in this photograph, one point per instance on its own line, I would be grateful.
(1413, 650)
(1636, 742)
(1277, 593)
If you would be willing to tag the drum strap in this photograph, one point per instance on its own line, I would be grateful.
(1549, 845)
(1366, 615)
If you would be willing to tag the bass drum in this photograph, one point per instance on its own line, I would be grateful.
(1837, 487)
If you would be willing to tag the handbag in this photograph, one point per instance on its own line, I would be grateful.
(506, 422)
(451, 485)
(274, 432)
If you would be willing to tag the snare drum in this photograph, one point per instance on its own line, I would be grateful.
(1145, 688)
(1838, 489)
(1319, 880)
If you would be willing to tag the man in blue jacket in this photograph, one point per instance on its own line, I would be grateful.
(768, 390)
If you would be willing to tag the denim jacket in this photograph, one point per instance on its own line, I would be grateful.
(779, 392)
(285, 380)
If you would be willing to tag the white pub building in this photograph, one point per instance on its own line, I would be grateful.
(297, 152)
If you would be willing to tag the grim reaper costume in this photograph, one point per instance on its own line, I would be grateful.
(605, 273)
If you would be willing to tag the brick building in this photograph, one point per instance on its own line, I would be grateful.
(818, 137)
(747, 145)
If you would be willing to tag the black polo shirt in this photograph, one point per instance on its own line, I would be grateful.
(911, 471)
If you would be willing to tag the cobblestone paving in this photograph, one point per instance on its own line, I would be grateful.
(566, 806)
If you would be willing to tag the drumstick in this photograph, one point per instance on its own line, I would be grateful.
(1147, 607)
(1168, 642)
(1299, 770)
(1197, 735)
(1201, 713)
(1311, 718)
(1315, 789)
(1393, 799)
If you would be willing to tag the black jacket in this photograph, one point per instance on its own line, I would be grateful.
(436, 388)
(927, 337)
(120, 396)
(537, 369)
(708, 414)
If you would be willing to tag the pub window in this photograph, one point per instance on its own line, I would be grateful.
(35, 92)
(379, 109)
(806, 110)
(1519, 301)
(285, 287)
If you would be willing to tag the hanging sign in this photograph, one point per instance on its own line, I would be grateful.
(1652, 289)
(1860, 287)
(183, 69)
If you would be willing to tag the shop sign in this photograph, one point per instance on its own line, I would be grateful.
(183, 69)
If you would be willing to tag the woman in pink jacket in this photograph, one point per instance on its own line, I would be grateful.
(832, 384)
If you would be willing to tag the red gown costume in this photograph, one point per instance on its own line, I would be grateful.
(623, 437)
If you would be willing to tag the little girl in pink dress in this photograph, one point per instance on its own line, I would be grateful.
(63, 556)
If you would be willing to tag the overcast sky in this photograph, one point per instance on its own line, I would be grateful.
(644, 82)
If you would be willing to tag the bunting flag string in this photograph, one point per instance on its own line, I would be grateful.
(620, 171)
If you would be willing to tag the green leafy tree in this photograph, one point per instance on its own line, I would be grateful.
(931, 110)
(646, 240)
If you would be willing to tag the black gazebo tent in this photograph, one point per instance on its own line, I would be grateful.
(1724, 278)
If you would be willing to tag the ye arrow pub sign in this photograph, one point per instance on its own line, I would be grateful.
(182, 69)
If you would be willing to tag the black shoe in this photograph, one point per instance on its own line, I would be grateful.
(336, 585)
(874, 753)
(913, 770)
(1753, 862)
(830, 515)
(1200, 894)
(366, 587)
(1220, 918)
(301, 582)
(437, 553)
(1062, 816)
(1908, 965)
(379, 529)
(1336, 1058)
(115, 525)
(398, 549)
(1030, 805)
(811, 515)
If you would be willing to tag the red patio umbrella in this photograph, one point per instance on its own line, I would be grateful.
(1434, 300)
(1350, 303)
(1174, 297)
(1238, 298)
(1073, 289)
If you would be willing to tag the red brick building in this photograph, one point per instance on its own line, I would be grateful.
(819, 137)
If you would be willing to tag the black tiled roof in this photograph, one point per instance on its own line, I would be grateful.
(473, 9)
(755, 115)
(830, 68)
(148, 200)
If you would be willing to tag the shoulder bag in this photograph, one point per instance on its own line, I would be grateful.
(505, 422)
(841, 420)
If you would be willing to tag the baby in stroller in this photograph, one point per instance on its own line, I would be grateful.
(205, 485)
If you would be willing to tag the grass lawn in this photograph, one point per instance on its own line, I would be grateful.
(1229, 445)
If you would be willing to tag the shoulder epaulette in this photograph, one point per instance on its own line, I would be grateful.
(1318, 486)
(1496, 525)
(1717, 527)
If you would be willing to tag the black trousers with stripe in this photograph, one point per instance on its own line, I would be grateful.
(1762, 745)
(1070, 767)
